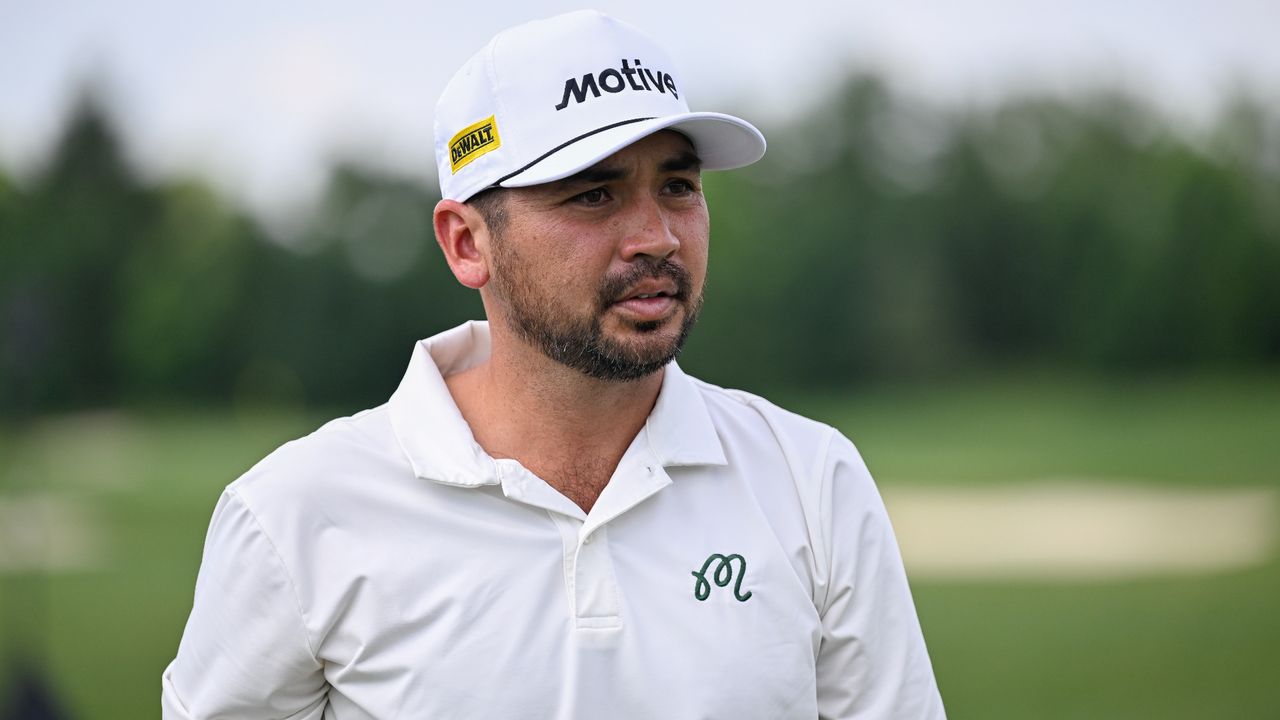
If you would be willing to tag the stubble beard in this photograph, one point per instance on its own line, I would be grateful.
(581, 342)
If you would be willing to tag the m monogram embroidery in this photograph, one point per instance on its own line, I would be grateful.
(721, 576)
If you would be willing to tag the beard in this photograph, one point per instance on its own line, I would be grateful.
(581, 342)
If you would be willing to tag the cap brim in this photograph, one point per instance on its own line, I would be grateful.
(722, 142)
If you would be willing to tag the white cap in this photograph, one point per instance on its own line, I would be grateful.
(549, 98)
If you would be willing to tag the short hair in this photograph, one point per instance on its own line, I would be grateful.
(491, 203)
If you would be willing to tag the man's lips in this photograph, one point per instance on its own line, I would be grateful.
(647, 309)
(649, 301)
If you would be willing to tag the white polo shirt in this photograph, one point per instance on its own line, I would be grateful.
(739, 564)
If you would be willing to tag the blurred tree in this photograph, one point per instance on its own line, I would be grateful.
(178, 292)
(336, 318)
(67, 242)
(16, 333)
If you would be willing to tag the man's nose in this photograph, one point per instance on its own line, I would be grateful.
(649, 232)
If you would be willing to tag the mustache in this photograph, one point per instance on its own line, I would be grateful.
(617, 286)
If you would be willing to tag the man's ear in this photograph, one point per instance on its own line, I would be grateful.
(464, 237)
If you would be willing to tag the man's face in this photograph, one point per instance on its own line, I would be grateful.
(603, 271)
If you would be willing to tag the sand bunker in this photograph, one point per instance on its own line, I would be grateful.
(1080, 530)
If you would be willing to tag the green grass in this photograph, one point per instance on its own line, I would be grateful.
(1175, 648)
(105, 635)
(1198, 648)
(1204, 431)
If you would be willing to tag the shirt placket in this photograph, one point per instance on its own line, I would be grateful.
(591, 585)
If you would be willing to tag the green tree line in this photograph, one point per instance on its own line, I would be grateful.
(886, 236)
(881, 236)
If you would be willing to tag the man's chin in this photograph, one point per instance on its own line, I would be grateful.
(652, 343)
(652, 351)
(646, 338)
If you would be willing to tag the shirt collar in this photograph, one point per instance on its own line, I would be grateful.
(439, 443)
(426, 420)
(679, 428)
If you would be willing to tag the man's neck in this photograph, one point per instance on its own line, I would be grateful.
(564, 426)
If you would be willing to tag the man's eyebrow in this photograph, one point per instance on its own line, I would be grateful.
(594, 174)
(606, 173)
(684, 161)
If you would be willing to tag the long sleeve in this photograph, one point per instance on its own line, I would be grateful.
(872, 661)
(245, 652)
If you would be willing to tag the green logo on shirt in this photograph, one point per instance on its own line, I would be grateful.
(721, 576)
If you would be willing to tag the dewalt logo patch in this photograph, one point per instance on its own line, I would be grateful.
(473, 141)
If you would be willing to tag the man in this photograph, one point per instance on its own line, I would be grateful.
(549, 519)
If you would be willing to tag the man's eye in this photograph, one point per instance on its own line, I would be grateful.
(593, 197)
(680, 187)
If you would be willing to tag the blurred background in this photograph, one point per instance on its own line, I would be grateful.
(1027, 255)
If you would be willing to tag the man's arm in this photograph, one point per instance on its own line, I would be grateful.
(872, 662)
(245, 652)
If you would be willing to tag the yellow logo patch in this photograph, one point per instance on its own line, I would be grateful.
(473, 141)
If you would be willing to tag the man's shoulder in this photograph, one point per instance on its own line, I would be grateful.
(759, 419)
(343, 449)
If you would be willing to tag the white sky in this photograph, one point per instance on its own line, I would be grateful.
(260, 95)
